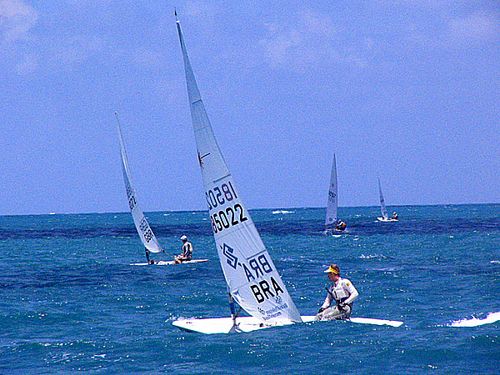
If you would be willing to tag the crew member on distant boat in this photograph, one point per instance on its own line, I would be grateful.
(341, 292)
(395, 215)
(341, 225)
(187, 251)
(148, 253)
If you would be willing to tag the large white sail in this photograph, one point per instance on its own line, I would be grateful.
(383, 209)
(252, 278)
(332, 205)
(141, 224)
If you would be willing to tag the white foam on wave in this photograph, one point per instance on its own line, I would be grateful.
(495, 262)
(372, 256)
(474, 322)
(282, 212)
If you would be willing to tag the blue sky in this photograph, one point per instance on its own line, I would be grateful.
(404, 90)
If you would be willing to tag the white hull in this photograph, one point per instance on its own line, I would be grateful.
(249, 324)
(170, 263)
(386, 220)
(335, 232)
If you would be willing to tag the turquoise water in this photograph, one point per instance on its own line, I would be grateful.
(69, 300)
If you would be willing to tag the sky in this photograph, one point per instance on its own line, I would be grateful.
(405, 90)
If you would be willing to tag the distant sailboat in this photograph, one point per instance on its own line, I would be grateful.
(332, 222)
(145, 232)
(142, 226)
(251, 277)
(383, 209)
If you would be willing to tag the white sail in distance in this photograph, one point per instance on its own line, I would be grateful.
(145, 232)
(332, 204)
(252, 278)
(383, 209)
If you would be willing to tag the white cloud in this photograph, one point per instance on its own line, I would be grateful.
(28, 65)
(147, 58)
(16, 20)
(309, 38)
(474, 27)
(77, 49)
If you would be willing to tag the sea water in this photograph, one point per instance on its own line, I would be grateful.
(70, 300)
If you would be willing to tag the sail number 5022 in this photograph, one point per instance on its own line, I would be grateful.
(227, 218)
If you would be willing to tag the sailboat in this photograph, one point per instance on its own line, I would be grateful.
(142, 226)
(251, 276)
(383, 209)
(332, 220)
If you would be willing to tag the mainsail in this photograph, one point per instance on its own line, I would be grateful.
(141, 224)
(332, 205)
(383, 209)
(252, 278)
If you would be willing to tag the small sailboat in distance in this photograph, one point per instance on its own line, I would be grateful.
(383, 209)
(142, 226)
(251, 277)
(332, 223)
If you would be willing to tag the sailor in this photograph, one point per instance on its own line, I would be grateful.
(341, 225)
(187, 251)
(395, 215)
(148, 253)
(341, 293)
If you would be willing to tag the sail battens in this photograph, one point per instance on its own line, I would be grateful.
(221, 178)
(250, 274)
(256, 254)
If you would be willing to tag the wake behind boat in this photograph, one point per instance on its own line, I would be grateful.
(475, 322)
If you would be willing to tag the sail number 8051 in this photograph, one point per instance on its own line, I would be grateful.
(227, 218)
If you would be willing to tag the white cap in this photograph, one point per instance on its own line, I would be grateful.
(183, 238)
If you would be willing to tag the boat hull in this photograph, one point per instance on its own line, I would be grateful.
(249, 324)
(170, 263)
(387, 220)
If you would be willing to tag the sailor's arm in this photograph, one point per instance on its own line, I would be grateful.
(353, 293)
(328, 300)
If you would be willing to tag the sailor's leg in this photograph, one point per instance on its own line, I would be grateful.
(333, 313)
(147, 255)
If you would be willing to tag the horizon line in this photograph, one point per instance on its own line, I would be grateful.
(252, 209)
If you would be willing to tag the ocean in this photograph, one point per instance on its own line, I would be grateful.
(70, 300)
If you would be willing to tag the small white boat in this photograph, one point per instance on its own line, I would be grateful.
(383, 209)
(332, 220)
(142, 226)
(170, 262)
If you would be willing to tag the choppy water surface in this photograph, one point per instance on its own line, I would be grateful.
(69, 300)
